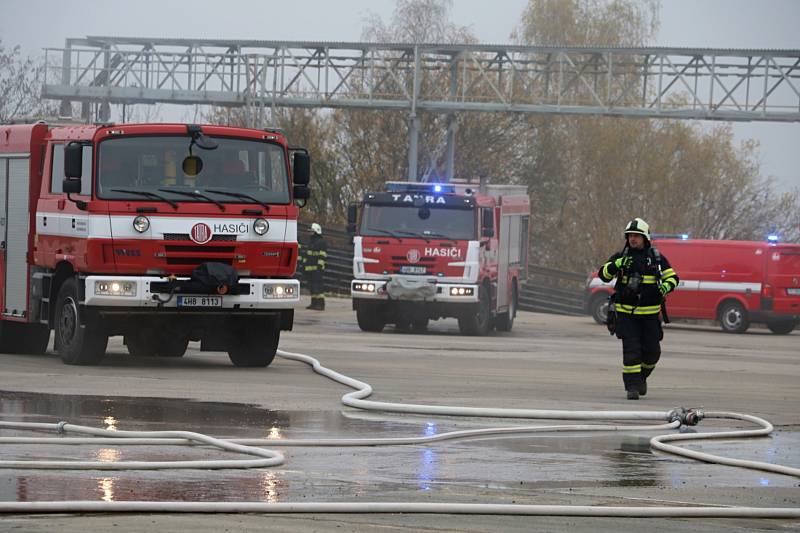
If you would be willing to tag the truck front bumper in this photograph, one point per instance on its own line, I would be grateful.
(455, 293)
(150, 292)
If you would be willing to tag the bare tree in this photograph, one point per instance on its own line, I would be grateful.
(21, 87)
(588, 176)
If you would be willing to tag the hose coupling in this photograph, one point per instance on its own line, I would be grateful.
(60, 426)
(687, 417)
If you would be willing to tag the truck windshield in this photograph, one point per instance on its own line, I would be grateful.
(255, 171)
(405, 221)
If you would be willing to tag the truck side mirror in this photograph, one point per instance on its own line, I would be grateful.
(73, 168)
(301, 192)
(352, 219)
(487, 223)
(302, 168)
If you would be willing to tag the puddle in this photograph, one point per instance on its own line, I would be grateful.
(477, 468)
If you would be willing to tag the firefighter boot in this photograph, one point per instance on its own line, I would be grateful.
(643, 387)
(317, 304)
(633, 395)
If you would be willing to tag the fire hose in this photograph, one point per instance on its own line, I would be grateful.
(357, 399)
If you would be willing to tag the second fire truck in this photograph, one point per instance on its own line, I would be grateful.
(424, 251)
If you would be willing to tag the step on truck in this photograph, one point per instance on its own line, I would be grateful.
(161, 233)
(425, 251)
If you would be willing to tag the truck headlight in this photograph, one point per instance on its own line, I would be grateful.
(141, 224)
(260, 226)
(461, 291)
(363, 287)
(115, 288)
(279, 292)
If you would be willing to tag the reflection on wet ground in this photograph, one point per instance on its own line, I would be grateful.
(507, 469)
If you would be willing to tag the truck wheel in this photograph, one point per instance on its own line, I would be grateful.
(505, 321)
(254, 344)
(369, 319)
(781, 327)
(80, 341)
(479, 322)
(733, 317)
(598, 307)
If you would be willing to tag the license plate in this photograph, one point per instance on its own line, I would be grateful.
(199, 301)
(793, 292)
(412, 270)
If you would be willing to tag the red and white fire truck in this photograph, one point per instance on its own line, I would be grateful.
(424, 251)
(163, 233)
(733, 282)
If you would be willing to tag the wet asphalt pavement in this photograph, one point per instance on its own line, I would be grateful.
(755, 373)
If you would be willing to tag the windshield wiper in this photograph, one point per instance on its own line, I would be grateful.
(440, 236)
(148, 194)
(195, 194)
(415, 234)
(240, 195)
(386, 231)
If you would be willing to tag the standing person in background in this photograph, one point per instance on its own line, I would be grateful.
(312, 258)
(644, 278)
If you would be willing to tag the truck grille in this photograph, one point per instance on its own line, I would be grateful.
(185, 237)
(187, 255)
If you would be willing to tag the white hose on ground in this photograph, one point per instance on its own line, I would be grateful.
(356, 399)
(394, 508)
(766, 428)
(363, 390)
(270, 457)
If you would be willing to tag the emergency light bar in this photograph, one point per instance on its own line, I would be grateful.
(681, 236)
(417, 187)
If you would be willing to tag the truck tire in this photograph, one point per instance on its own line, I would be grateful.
(598, 307)
(781, 327)
(369, 319)
(254, 344)
(80, 341)
(480, 322)
(733, 317)
(505, 321)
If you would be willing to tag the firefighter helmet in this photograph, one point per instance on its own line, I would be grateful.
(316, 228)
(637, 225)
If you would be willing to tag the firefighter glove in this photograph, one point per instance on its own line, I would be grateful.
(664, 288)
(623, 262)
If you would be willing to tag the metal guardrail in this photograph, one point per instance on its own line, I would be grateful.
(537, 294)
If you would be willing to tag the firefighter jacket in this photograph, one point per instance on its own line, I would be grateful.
(314, 254)
(638, 290)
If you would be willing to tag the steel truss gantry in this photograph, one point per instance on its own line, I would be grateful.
(682, 83)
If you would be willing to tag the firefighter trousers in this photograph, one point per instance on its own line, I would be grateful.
(641, 347)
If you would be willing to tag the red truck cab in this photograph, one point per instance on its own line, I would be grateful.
(424, 251)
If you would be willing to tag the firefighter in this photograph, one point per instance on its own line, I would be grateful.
(313, 257)
(644, 278)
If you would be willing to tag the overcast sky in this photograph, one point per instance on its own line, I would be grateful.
(35, 24)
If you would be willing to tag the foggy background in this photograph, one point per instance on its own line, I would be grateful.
(36, 24)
